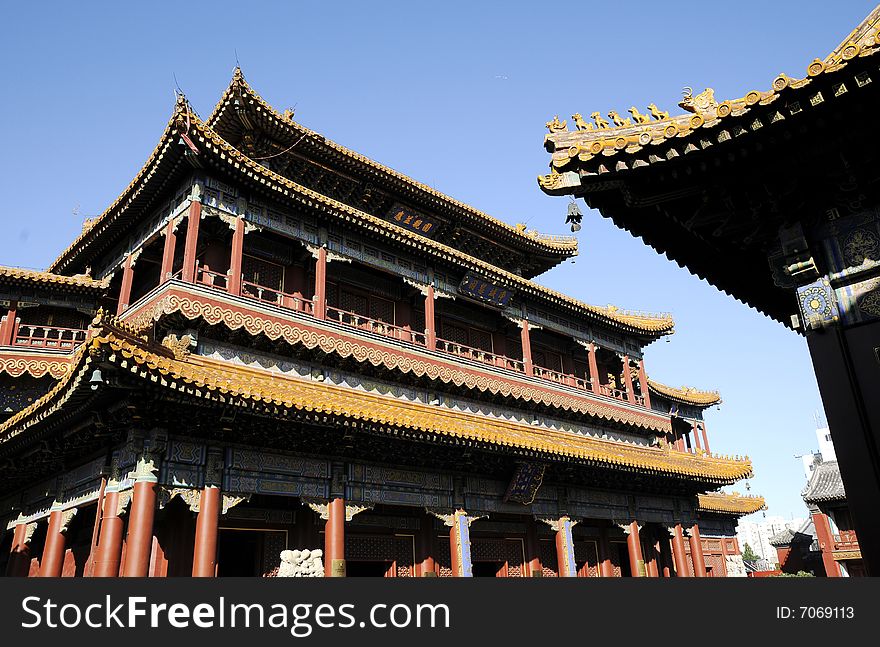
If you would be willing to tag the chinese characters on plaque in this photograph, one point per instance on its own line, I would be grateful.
(409, 219)
(475, 286)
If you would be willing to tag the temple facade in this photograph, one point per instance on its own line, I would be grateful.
(270, 344)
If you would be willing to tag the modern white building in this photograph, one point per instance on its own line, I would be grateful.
(826, 451)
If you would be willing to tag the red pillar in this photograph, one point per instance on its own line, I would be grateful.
(125, 288)
(320, 299)
(53, 549)
(705, 439)
(7, 328)
(826, 543)
(628, 380)
(696, 433)
(594, 367)
(606, 566)
(643, 384)
(139, 541)
(526, 347)
(168, 253)
(234, 283)
(679, 556)
(191, 243)
(109, 552)
(460, 545)
(89, 569)
(205, 552)
(651, 568)
(697, 552)
(20, 555)
(334, 539)
(634, 546)
(427, 566)
(565, 549)
(533, 551)
(430, 322)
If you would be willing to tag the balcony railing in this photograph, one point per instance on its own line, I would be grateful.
(296, 302)
(375, 326)
(846, 540)
(479, 355)
(39, 336)
(271, 295)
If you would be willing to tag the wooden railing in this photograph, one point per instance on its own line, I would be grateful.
(271, 295)
(375, 326)
(480, 355)
(39, 336)
(403, 333)
(846, 540)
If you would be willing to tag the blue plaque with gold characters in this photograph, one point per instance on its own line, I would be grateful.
(478, 287)
(413, 221)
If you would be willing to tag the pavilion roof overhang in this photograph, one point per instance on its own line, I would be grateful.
(228, 120)
(711, 188)
(36, 279)
(685, 394)
(230, 385)
(732, 504)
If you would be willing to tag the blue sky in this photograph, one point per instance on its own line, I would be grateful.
(455, 94)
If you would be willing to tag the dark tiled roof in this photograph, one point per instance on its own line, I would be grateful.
(782, 538)
(825, 484)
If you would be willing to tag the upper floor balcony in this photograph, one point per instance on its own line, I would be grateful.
(846, 540)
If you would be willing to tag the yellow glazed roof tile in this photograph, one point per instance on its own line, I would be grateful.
(686, 394)
(730, 503)
(231, 384)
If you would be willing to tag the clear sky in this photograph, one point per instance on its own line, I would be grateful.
(455, 94)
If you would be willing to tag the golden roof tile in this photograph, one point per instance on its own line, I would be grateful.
(685, 394)
(601, 140)
(734, 503)
(48, 278)
(233, 384)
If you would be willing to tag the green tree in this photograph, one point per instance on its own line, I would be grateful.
(749, 555)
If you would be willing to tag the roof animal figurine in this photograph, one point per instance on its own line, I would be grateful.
(658, 114)
(618, 120)
(601, 123)
(703, 102)
(638, 117)
(555, 126)
(580, 123)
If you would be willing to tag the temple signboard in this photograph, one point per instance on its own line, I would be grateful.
(473, 285)
(413, 221)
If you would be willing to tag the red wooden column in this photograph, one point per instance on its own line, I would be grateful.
(826, 543)
(125, 288)
(634, 546)
(651, 566)
(205, 552)
(460, 545)
(425, 546)
(52, 561)
(565, 548)
(190, 246)
(594, 367)
(533, 550)
(628, 381)
(334, 539)
(19, 563)
(320, 298)
(643, 383)
(526, 347)
(679, 556)
(606, 566)
(697, 552)
(108, 555)
(167, 268)
(235, 256)
(705, 439)
(696, 433)
(89, 568)
(7, 328)
(139, 541)
(430, 321)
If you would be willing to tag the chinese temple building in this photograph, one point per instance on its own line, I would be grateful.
(771, 198)
(269, 342)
